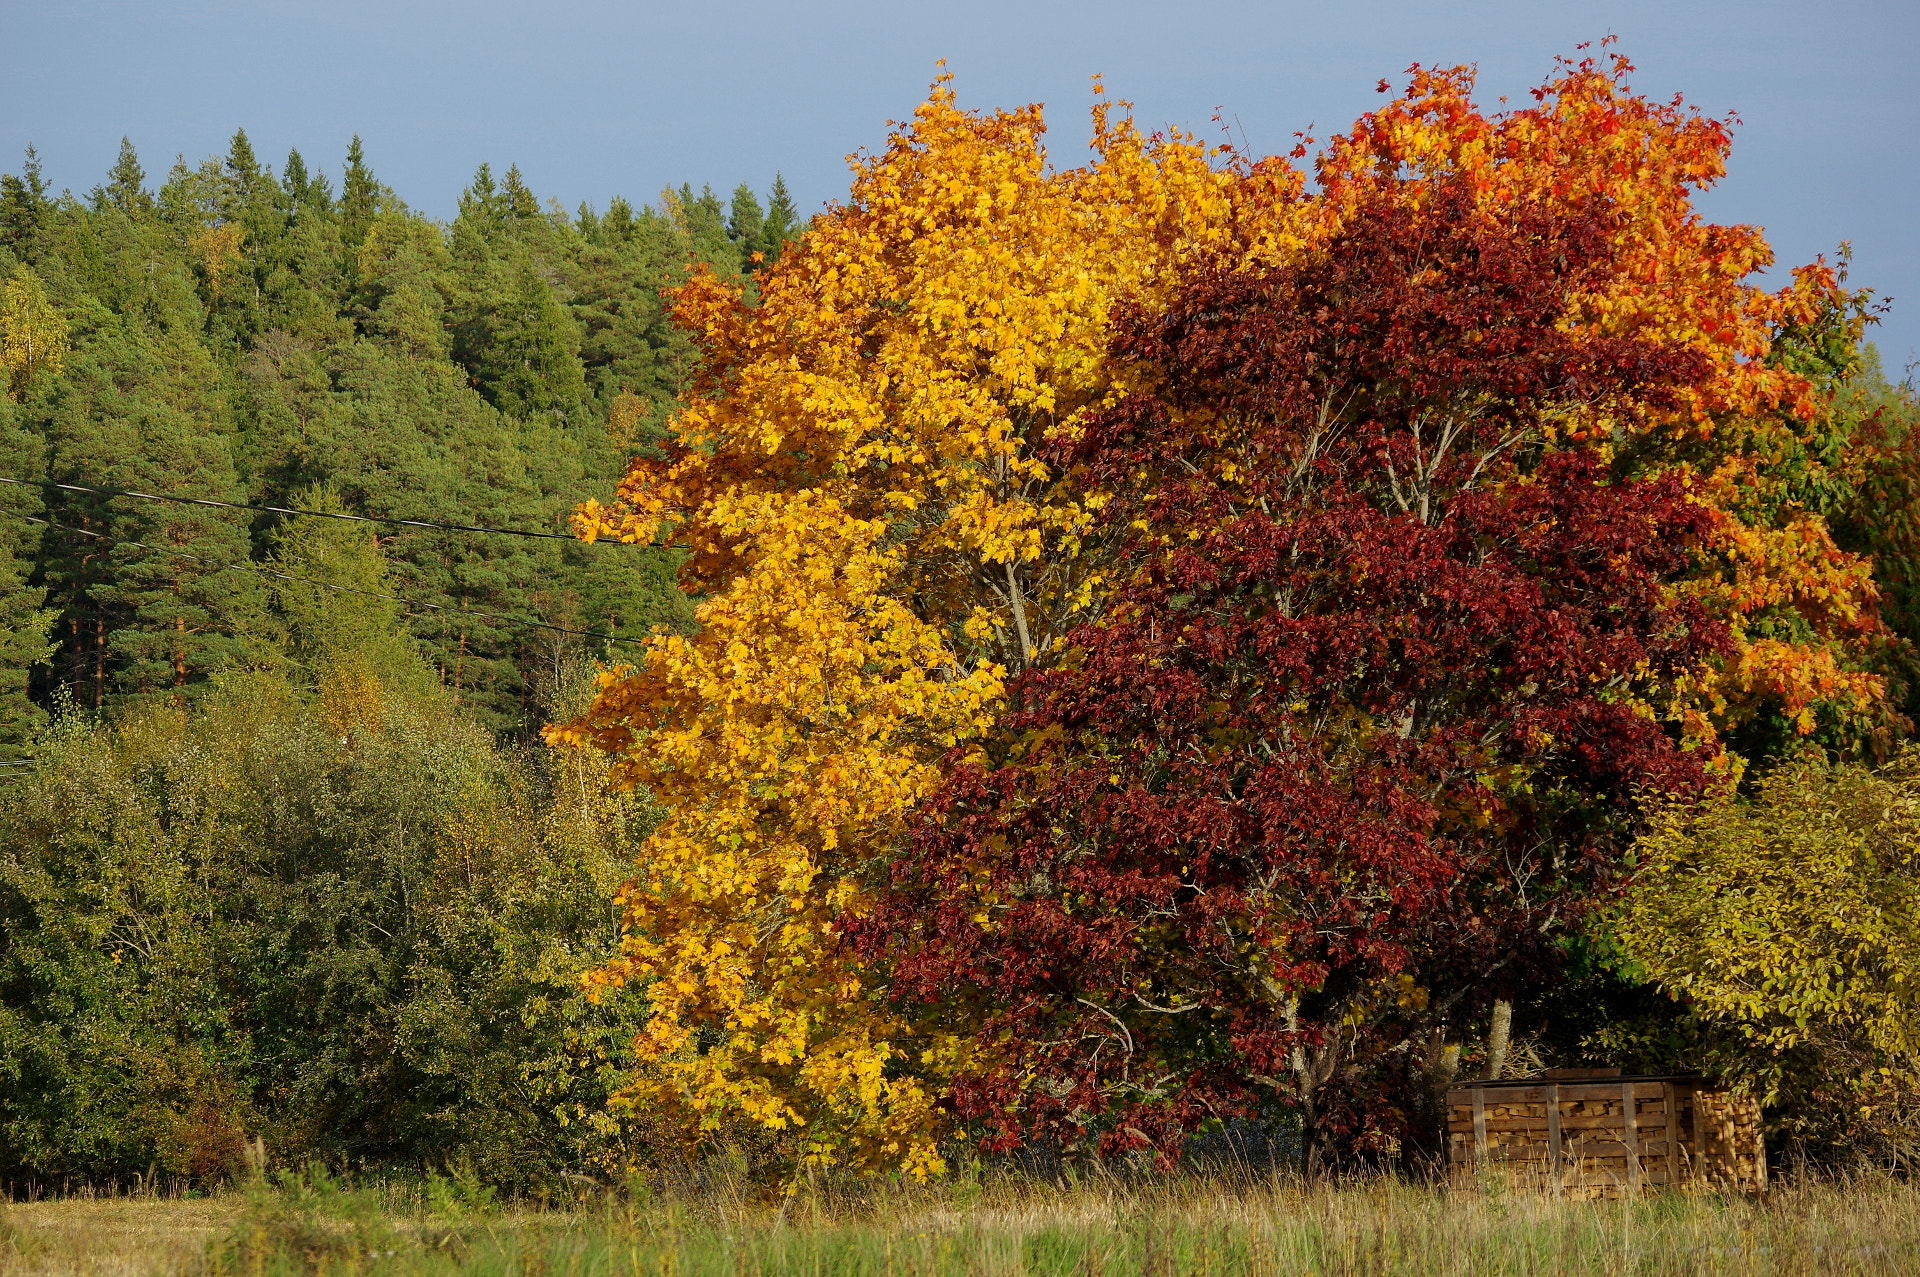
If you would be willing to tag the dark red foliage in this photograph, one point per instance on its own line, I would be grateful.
(1357, 739)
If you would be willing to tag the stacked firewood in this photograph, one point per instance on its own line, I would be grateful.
(1590, 1133)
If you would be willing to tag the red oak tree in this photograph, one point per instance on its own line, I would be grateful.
(1360, 730)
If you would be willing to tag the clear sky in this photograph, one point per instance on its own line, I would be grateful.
(594, 98)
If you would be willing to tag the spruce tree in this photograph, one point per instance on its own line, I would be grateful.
(782, 222)
(24, 208)
(522, 205)
(126, 187)
(484, 209)
(746, 220)
(359, 195)
(703, 221)
(244, 175)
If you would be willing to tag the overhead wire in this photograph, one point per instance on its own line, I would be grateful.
(341, 589)
(294, 510)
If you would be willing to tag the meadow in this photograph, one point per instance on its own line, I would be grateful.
(999, 1225)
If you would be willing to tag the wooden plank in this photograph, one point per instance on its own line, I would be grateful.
(1629, 1121)
(1553, 1136)
(1568, 1122)
(1507, 1093)
(1669, 1132)
(1517, 1153)
(1479, 1124)
(1610, 1179)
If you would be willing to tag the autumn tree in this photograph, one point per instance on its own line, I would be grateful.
(1351, 743)
(903, 476)
(1803, 612)
(33, 335)
(855, 479)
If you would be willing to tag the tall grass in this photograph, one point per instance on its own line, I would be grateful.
(992, 1225)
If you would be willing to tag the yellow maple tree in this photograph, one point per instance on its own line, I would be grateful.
(858, 482)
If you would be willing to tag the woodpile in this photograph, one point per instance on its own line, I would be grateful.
(1591, 1133)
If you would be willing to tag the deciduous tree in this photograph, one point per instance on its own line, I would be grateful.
(856, 482)
(1352, 743)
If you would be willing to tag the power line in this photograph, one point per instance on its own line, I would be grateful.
(341, 589)
(281, 509)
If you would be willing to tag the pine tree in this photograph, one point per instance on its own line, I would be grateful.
(140, 407)
(25, 625)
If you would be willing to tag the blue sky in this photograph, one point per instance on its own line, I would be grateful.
(593, 98)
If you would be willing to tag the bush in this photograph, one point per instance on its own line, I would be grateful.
(1788, 925)
(317, 905)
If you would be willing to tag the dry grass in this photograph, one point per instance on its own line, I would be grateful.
(112, 1237)
(1005, 1227)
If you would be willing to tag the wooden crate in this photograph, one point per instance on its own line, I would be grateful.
(1591, 1133)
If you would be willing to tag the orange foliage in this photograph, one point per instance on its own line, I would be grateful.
(856, 477)
(1588, 137)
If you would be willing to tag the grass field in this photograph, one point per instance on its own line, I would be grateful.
(1181, 1225)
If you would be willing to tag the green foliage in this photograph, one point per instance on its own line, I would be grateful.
(249, 336)
(24, 624)
(1883, 517)
(317, 905)
(1790, 923)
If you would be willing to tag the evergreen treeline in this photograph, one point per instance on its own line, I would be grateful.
(278, 860)
(255, 337)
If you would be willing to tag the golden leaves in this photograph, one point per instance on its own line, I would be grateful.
(33, 335)
(218, 248)
(854, 475)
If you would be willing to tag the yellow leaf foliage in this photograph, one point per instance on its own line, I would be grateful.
(854, 477)
(1793, 917)
(33, 336)
(219, 249)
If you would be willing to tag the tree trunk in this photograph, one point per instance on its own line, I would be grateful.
(1499, 1037)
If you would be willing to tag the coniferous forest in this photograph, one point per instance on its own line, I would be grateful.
(1057, 664)
(217, 920)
